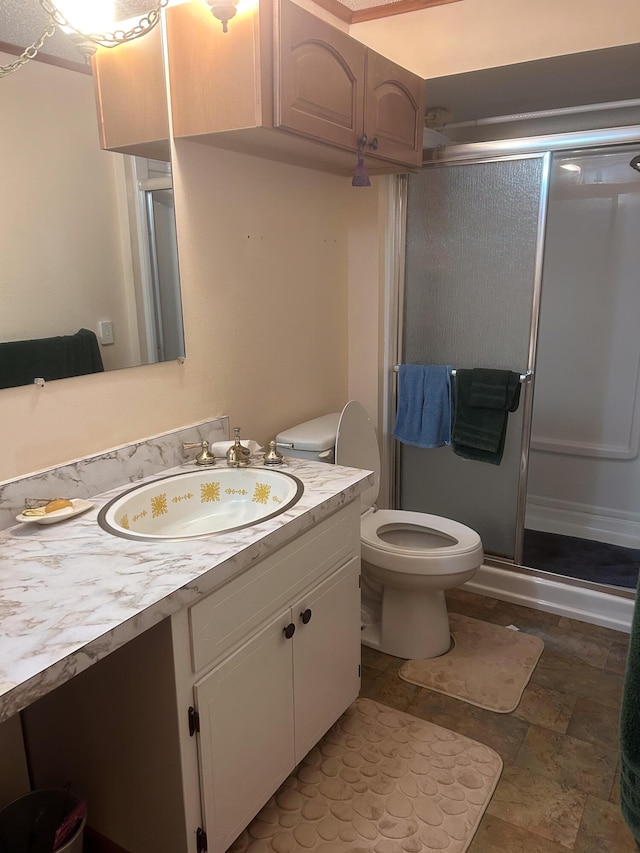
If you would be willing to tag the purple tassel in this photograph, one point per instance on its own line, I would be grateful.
(360, 174)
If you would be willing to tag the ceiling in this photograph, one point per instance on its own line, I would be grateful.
(592, 77)
(22, 22)
(354, 11)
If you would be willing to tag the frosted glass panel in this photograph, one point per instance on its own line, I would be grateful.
(472, 233)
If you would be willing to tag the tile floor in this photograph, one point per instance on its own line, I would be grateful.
(559, 787)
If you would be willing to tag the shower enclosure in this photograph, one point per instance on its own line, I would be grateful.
(529, 262)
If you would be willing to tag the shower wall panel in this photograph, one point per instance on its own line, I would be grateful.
(584, 474)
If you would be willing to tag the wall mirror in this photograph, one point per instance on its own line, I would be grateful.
(88, 245)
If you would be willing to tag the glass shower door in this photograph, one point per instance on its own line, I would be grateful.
(471, 293)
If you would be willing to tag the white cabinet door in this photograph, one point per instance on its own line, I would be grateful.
(246, 731)
(263, 708)
(326, 654)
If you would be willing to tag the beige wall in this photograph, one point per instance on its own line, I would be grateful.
(61, 244)
(263, 256)
(475, 34)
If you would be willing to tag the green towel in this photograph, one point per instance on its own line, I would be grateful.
(50, 358)
(495, 389)
(483, 400)
(630, 732)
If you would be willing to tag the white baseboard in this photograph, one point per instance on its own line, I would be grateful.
(554, 596)
(598, 523)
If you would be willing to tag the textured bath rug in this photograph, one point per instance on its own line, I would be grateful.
(489, 665)
(379, 781)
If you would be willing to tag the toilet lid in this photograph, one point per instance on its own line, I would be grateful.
(357, 446)
(316, 435)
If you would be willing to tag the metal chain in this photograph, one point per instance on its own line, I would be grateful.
(145, 23)
(27, 54)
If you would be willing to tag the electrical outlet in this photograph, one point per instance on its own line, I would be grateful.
(105, 329)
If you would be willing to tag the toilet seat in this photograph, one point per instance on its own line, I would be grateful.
(461, 547)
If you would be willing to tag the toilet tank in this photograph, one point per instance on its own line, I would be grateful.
(314, 440)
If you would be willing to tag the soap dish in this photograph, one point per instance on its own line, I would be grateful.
(78, 505)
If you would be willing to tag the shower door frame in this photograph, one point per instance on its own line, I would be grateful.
(468, 154)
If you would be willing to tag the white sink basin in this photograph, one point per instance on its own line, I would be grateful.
(198, 503)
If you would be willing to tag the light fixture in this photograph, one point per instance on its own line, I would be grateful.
(223, 10)
(571, 167)
(28, 53)
(635, 163)
(77, 20)
(90, 22)
(89, 25)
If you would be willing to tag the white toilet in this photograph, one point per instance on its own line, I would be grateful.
(408, 558)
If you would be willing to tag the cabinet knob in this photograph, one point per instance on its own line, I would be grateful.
(305, 616)
(289, 631)
(365, 142)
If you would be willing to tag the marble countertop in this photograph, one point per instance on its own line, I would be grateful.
(71, 593)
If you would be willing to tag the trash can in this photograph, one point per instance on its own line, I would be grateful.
(43, 821)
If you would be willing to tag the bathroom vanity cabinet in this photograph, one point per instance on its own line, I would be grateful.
(265, 706)
(286, 85)
(178, 738)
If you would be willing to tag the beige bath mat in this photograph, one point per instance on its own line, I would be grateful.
(489, 665)
(379, 781)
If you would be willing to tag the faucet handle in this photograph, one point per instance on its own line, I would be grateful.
(205, 457)
(272, 457)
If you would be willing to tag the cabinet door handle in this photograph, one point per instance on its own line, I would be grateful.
(306, 616)
(289, 631)
(365, 142)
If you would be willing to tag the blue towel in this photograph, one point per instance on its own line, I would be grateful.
(424, 405)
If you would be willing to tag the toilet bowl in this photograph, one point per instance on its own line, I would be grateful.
(408, 558)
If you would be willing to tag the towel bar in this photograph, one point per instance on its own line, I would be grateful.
(527, 376)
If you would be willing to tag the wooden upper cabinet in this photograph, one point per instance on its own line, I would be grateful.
(131, 97)
(394, 110)
(320, 74)
(219, 81)
(334, 89)
(286, 85)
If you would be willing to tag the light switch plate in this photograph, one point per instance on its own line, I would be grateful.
(105, 329)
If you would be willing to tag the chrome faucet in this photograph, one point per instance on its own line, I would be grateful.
(238, 455)
(205, 457)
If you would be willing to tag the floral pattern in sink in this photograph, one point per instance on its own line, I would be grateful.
(200, 503)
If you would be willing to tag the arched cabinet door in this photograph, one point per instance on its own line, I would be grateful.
(320, 79)
(394, 111)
